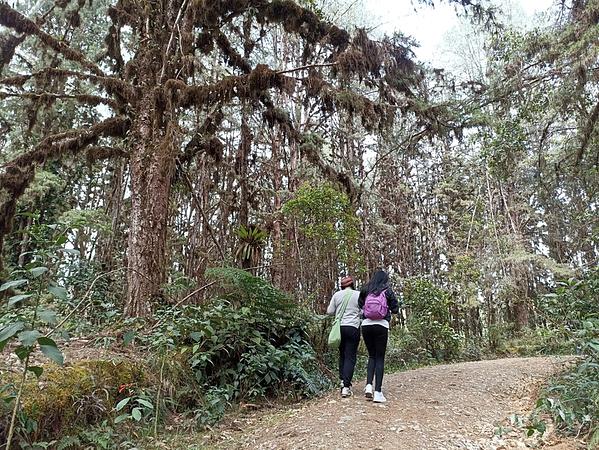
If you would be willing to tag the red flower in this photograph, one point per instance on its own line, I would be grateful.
(123, 387)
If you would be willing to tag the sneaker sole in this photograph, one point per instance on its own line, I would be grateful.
(368, 395)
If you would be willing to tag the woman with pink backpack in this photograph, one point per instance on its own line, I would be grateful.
(377, 301)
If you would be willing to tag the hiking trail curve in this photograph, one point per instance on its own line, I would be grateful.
(457, 406)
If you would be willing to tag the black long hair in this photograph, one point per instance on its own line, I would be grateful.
(378, 283)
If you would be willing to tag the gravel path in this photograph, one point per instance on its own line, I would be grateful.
(458, 406)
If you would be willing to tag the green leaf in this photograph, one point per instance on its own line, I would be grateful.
(145, 403)
(10, 330)
(71, 251)
(541, 427)
(128, 337)
(38, 271)
(120, 405)
(60, 240)
(136, 414)
(53, 353)
(12, 284)
(47, 341)
(28, 338)
(18, 298)
(37, 370)
(195, 335)
(58, 292)
(48, 348)
(120, 418)
(48, 316)
(22, 352)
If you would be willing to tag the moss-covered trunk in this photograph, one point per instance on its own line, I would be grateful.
(152, 164)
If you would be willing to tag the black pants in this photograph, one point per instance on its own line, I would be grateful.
(375, 338)
(348, 349)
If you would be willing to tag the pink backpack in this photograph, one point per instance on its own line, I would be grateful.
(375, 306)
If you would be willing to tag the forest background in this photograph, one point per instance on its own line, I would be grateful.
(191, 178)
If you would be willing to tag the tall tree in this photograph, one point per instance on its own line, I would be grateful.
(156, 67)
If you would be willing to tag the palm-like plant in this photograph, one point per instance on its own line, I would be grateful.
(251, 243)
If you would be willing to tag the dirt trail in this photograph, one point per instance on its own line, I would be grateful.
(456, 406)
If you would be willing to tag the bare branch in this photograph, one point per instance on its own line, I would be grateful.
(409, 140)
(166, 55)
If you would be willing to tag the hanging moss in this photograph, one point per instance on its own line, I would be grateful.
(19, 172)
(99, 152)
(231, 56)
(252, 85)
(8, 45)
(11, 18)
(205, 42)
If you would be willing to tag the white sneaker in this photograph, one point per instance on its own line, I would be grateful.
(346, 392)
(379, 397)
(368, 391)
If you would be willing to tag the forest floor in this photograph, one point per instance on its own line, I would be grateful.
(472, 405)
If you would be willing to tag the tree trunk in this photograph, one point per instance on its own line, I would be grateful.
(114, 203)
(241, 171)
(152, 164)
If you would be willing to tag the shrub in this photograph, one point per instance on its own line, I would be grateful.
(573, 302)
(573, 398)
(248, 343)
(429, 320)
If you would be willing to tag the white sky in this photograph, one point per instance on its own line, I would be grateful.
(429, 25)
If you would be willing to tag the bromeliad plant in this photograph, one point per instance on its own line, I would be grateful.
(28, 289)
(252, 240)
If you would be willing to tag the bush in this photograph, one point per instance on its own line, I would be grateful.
(250, 342)
(428, 318)
(573, 398)
(573, 302)
(536, 342)
(404, 349)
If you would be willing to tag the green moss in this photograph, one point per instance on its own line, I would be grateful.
(82, 394)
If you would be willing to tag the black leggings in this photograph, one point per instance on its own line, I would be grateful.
(348, 349)
(375, 338)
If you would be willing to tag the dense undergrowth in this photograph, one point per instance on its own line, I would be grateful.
(250, 342)
(572, 399)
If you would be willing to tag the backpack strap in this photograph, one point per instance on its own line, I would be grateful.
(344, 305)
